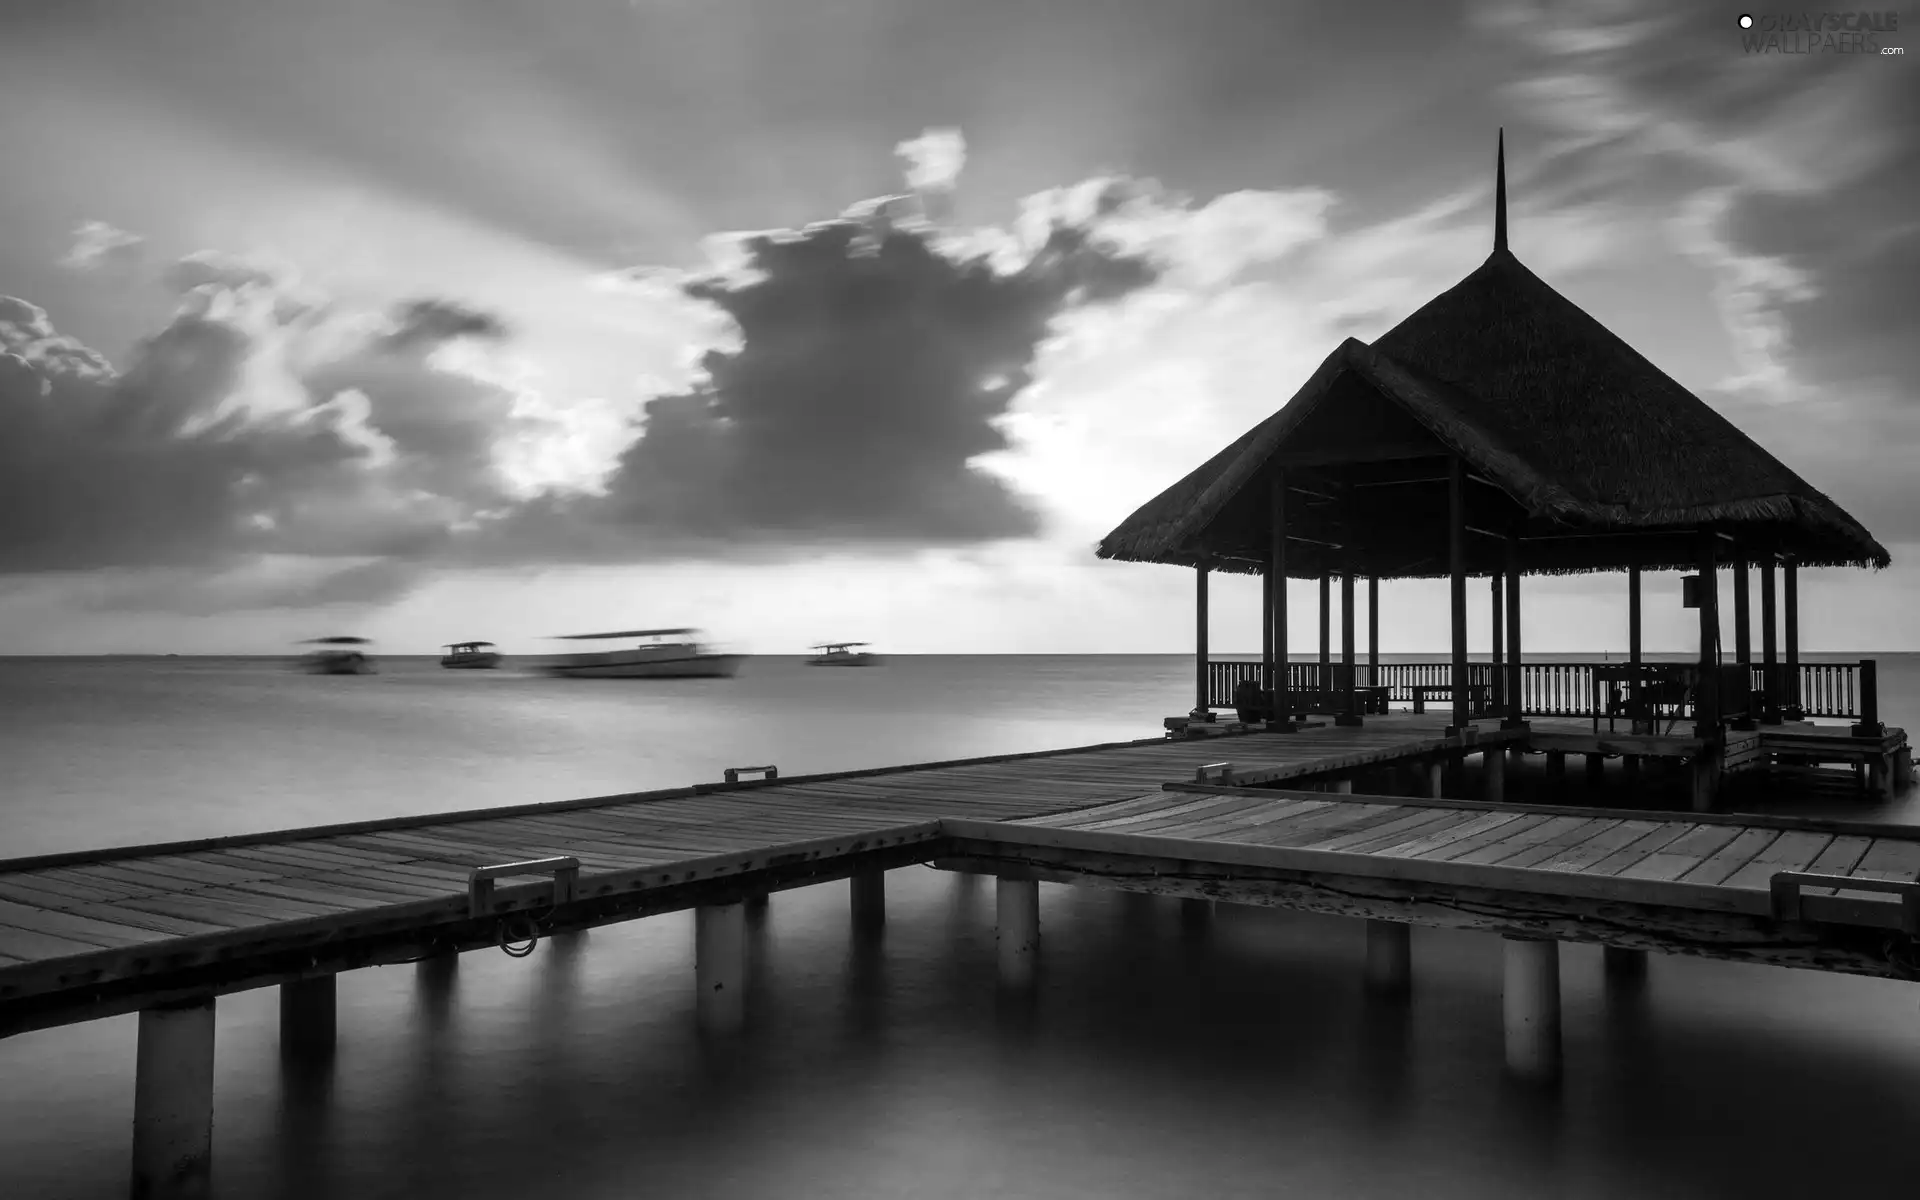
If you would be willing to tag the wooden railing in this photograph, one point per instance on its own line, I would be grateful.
(1576, 689)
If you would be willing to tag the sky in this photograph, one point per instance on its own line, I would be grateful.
(802, 320)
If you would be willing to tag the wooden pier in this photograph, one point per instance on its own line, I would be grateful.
(163, 930)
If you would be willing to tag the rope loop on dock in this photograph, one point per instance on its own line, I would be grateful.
(532, 939)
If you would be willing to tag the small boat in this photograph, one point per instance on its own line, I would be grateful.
(654, 658)
(471, 656)
(336, 657)
(843, 654)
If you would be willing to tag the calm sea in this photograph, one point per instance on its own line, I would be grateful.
(1159, 1062)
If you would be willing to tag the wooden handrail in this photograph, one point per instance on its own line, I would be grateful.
(1570, 689)
(1785, 890)
(566, 880)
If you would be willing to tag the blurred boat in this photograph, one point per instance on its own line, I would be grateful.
(471, 656)
(843, 654)
(653, 659)
(336, 656)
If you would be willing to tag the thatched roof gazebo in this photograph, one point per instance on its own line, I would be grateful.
(1498, 431)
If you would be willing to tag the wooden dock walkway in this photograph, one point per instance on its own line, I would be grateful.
(90, 934)
(163, 930)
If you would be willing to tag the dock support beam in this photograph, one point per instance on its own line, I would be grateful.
(1532, 1007)
(867, 891)
(1389, 957)
(1016, 930)
(173, 1103)
(720, 966)
(1516, 692)
(1436, 780)
(1493, 764)
(308, 1010)
(1705, 772)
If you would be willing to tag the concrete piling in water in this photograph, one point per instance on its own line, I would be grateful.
(1389, 957)
(720, 966)
(1623, 965)
(1494, 764)
(173, 1103)
(1436, 780)
(1017, 929)
(308, 1020)
(1531, 1000)
(867, 893)
(1195, 913)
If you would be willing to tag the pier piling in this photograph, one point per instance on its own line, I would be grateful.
(1494, 763)
(720, 965)
(1623, 965)
(867, 891)
(1532, 1007)
(308, 1017)
(173, 1102)
(1017, 929)
(1389, 957)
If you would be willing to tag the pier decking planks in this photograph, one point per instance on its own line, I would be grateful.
(101, 908)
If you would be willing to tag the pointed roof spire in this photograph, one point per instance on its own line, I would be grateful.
(1500, 194)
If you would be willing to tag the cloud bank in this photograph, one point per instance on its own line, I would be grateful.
(868, 364)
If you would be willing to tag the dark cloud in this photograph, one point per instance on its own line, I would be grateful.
(870, 373)
(426, 324)
(205, 452)
(1860, 248)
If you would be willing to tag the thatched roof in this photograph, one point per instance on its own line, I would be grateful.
(1593, 447)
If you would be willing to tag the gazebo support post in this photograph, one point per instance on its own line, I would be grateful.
(1282, 717)
(1769, 647)
(1498, 587)
(1323, 684)
(1457, 598)
(1350, 698)
(1741, 705)
(1373, 633)
(1202, 710)
(1706, 768)
(1790, 589)
(1516, 692)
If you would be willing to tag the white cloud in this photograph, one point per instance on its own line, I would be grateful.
(933, 161)
(98, 246)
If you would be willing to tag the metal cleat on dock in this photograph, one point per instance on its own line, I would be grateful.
(733, 774)
(1220, 773)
